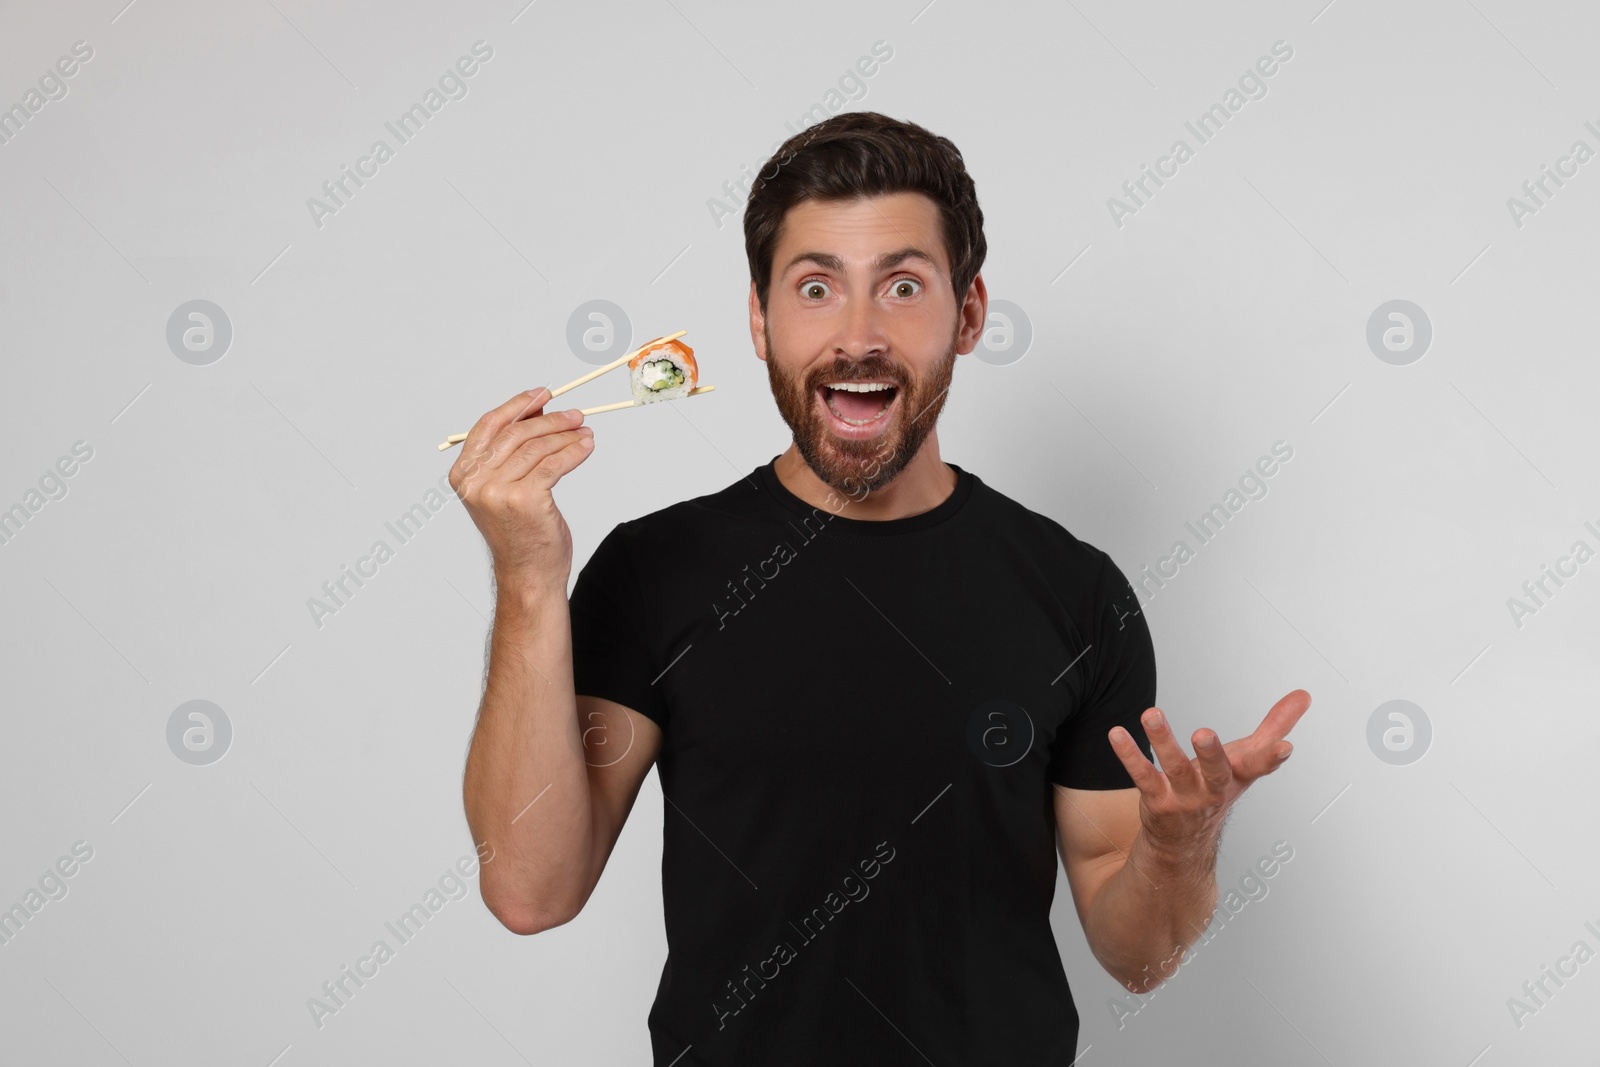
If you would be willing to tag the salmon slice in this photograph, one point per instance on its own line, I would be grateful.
(678, 348)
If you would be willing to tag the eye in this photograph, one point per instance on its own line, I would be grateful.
(907, 282)
(810, 284)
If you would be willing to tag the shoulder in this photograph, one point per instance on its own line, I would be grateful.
(1035, 532)
(706, 519)
(1082, 577)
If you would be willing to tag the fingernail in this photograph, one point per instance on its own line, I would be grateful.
(1157, 719)
(536, 394)
(585, 431)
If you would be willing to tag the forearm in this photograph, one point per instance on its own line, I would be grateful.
(1151, 910)
(527, 747)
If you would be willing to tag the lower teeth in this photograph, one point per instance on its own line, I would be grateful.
(860, 422)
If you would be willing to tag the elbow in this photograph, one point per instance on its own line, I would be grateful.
(528, 922)
(522, 918)
(1149, 975)
(1140, 984)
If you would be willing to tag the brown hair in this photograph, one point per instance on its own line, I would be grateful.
(858, 154)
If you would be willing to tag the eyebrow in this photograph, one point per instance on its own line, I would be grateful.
(829, 261)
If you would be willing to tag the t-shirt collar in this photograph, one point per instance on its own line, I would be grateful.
(946, 509)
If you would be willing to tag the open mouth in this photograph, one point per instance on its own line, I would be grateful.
(858, 405)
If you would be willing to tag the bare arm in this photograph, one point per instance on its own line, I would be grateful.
(526, 788)
(551, 777)
(1139, 909)
(550, 814)
(1142, 861)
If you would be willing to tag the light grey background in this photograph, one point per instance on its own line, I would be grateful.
(1167, 354)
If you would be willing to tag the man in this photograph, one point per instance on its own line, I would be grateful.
(880, 694)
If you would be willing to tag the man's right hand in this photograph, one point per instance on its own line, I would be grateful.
(511, 460)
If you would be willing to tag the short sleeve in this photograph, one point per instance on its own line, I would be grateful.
(1121, 685)
(611, 658)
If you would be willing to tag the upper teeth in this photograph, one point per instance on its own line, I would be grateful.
(860, 387)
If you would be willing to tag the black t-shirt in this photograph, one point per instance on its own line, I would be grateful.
(863, 724)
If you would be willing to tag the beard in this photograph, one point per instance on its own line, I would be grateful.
(860, 466)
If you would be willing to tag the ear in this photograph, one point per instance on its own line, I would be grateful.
(757, 324)
(973, 316)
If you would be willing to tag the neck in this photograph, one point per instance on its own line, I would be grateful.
(925, 483)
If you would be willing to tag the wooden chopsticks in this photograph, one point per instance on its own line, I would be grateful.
(457, 438)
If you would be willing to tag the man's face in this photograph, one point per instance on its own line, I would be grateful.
(854, 302)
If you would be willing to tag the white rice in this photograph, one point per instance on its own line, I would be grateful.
(648, 372)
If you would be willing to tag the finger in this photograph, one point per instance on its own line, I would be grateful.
(486, 428)
(1284, 714)
(513, 437)
(1174, 763)
(535, 451)
(524, 405)
(550, 470)
(1150, 781)
(1251, 760)
(1274, 757)
(1215, 770)
(518, 434)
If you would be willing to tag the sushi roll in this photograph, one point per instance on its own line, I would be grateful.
(662, 371)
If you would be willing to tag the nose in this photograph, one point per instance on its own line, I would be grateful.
(861, 330)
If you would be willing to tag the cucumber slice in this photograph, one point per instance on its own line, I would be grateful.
(661, 374)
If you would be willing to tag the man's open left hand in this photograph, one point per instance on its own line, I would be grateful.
(1183, 804)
